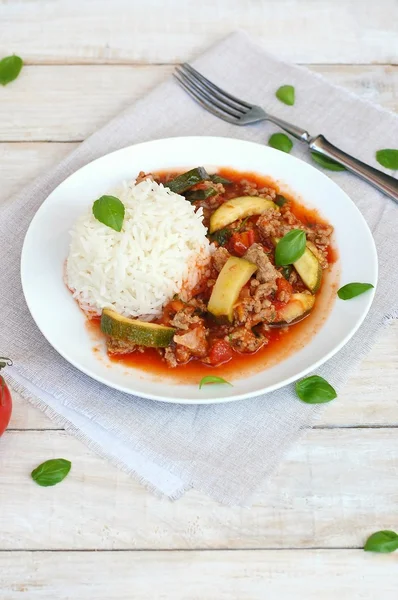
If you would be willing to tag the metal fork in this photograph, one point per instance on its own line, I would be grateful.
(234, 110)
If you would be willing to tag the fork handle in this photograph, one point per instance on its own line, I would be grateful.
(381, 181)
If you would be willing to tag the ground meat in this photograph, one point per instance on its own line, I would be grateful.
(170, 357)
(256, 308)
(142, 176)
(115, 346)
(321, 254)
(320, 235)
(283, 296)
(271, 225)
(262, 293)
(185, 318)
(275, 224)
(198, 304)
(194, 340)
(220, 257)
(250, 188)
(182, 354)
(317, 233)
(244, 340)
(266, 272)
(214, 201)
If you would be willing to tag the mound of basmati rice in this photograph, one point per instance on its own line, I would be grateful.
(162, 250)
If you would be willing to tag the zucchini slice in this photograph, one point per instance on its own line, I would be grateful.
(238, 208)
(138, 332)
(216, 178)
(309, 269)
(233, 276)
(183, 182)
(193, 195)
(299, 306)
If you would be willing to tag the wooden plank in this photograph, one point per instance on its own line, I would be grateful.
(335, 487)
(21, 163)
(376, 83)
(282, 575)
(69, 103)
(370, 396)
(158, 32)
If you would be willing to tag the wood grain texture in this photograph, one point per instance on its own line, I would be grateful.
(333, 490)
(337, 485)
(286, 574)
(21, 163)
(68, 103)
(345, 31)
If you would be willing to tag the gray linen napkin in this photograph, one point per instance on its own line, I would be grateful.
(223, 450)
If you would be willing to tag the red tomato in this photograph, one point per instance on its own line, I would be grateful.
(220, 352)
(5, 399)
(240, 242)
(283, 286)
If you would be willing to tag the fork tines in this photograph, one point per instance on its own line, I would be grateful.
(210, 96)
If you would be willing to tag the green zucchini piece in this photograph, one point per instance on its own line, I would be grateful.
(309, 269)
(238, 208)
(138, 332)
(299, 306)
(218, 179)
(193, 195)
(183, 182)
(233, 276)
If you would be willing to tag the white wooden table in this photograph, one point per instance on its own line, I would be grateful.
(99, 535)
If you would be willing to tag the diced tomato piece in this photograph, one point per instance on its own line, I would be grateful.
(240, 242)
(220, 352)
(284, 289)
(176, 305)
(278, 305)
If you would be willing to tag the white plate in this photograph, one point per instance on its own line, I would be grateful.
(63, 324)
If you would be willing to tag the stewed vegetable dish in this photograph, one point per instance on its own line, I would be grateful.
(267, 259)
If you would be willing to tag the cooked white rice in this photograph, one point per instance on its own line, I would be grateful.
(161, 251)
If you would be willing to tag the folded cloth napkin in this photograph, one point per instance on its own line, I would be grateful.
(226, 450)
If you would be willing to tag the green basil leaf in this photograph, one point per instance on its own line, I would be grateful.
(280, 200)
(280, 141)
(327, 163)
(388, 158)
(51, 472)
(382, 541)
(315, 390)
(351, 290)
(218, 179)
(212, 379)
(10, 68)
(286, 94)
(290, 247)
(221, 236)
(109, 210)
